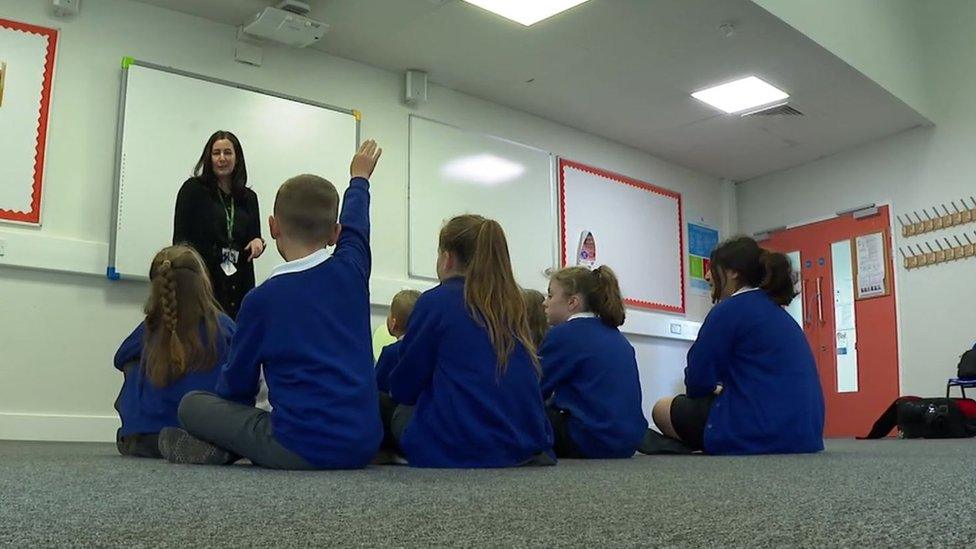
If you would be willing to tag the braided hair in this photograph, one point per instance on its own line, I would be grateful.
(180, 302)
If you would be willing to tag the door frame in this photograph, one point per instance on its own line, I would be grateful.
(895, 271)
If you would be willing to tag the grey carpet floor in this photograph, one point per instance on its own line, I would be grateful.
(857, 494)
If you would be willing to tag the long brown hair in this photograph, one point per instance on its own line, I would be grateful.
(535, 308)
(757, 267)
(490, 292)
(180, 301)
(600, 291)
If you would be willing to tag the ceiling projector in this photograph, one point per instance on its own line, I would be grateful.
(286, 24)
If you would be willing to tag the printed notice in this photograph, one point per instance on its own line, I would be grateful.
(870, 265)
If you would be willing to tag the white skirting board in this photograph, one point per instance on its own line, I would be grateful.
(58, 427)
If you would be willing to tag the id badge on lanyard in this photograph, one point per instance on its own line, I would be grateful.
(228, 256)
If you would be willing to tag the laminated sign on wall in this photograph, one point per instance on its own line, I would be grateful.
(701, 241)
(26, 71)
(871, 264)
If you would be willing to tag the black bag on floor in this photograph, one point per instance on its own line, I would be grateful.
(927, 418)
(967, 365)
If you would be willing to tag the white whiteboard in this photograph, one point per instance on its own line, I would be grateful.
(454, 172)
(637, 230)
(166, 119)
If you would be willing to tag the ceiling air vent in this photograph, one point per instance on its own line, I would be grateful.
(775, 110)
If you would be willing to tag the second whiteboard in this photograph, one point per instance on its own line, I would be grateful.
(454, 172)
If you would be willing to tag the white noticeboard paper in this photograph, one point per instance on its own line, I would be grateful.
(26, 73)
(870, 256)
(636, 228)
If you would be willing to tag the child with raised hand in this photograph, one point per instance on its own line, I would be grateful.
(176, 349)
(468, 376)
(589, 369)
(308, 326)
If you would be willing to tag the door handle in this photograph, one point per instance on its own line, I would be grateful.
(820, 317)
(807, 319)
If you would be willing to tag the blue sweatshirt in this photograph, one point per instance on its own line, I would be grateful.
(771, 401)
(592, 369)
(145, 408)
(389, 357)
(467, 415)
(308, 325)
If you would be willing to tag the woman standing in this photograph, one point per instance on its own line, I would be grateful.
(218, 215)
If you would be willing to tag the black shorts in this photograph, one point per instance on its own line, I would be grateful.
(688, 417)
(562, 445)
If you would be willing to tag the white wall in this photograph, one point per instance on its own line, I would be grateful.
(60, 330)
(916, 169)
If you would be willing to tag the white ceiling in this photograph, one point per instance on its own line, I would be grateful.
(622, 69)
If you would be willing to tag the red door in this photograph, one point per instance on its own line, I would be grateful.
(854, 341)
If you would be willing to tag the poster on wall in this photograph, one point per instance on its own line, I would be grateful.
(701, 241)
(26, 73)
(871, 266)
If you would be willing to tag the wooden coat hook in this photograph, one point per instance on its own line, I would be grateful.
(944, 251)
(937, 219)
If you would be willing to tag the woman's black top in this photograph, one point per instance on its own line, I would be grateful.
(201, 220)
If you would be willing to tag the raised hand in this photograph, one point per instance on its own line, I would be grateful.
(365, 159)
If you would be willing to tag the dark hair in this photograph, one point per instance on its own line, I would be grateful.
(307, 206)
(204, 168)
(600, 291)
(756, 267)
(490, 292)
(180, 302)
(535, 307)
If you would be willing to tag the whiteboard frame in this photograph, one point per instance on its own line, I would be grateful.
(553, 198)
(127, 62)
(615, 177)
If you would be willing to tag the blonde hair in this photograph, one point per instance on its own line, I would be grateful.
(180, 300)
(600, 291)
(402, 307)
(535, 307)
(490, 292)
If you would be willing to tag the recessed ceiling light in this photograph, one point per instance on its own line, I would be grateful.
(527, 12)
(741, 95)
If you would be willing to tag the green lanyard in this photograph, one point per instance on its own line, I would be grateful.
(228, 216)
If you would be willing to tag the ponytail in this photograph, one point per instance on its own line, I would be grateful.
(606, 301)
(490, 292)
(777, 279)
(600, 290)
(756, 267)
(180, 303)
